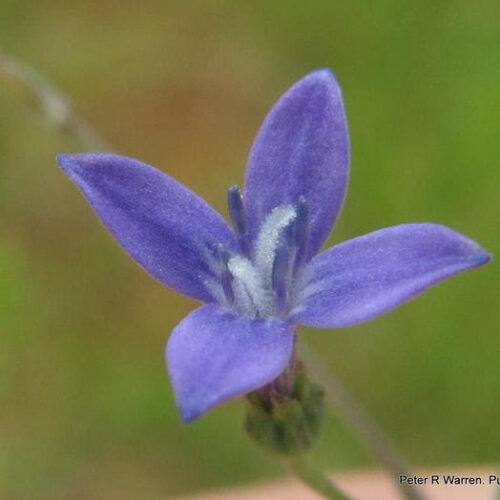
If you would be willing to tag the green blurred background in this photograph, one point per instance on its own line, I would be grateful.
(86, 409)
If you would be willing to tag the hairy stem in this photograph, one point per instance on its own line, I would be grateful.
(317, 480)
(54, 105)
(356, 416)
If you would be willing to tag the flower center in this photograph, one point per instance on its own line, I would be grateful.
(259, 281)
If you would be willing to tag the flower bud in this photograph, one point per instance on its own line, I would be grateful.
(286, 422)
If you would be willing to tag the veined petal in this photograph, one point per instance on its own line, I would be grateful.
(166, 228)
(302, 149)
(214, 355)
(370, 275)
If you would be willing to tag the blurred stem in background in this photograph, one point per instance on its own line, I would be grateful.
(355, 415)
(60, 114)
(53, 104)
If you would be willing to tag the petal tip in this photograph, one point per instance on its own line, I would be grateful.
(189, 415)
(191, 410)
(70, 163)
(69, 160)
(322, 76)
(482, 257)
(76, 164)
(64, 160)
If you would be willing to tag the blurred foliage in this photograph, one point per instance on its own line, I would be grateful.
(86, 410)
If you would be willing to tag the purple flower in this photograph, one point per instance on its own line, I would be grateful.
(265, 275)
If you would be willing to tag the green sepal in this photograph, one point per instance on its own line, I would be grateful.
(287, 424)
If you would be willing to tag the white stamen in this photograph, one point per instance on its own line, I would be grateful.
(251, 282)
(216, 291)
(250, 295)
(268, 239)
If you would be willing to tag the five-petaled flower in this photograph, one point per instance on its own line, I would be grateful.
(265, 275)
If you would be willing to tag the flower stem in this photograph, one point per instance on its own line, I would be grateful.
(357, 417)
(315, 479)
(54, 105)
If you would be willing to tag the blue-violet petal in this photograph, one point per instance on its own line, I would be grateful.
(214, 355)
(166, 228)
(302, 149)
(367, 276)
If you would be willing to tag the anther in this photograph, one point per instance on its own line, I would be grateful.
(300, 226)
(279, 276)
(237, 213)
(300, 231)
(226, 276)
